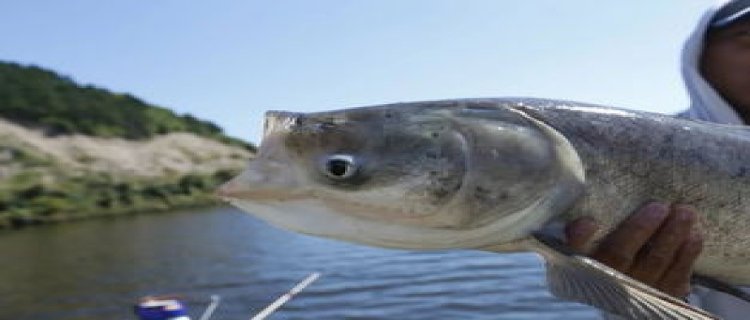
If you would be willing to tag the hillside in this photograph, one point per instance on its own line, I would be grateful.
(124, 158)
(42, 99)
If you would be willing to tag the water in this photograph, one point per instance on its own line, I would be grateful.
(97, 269)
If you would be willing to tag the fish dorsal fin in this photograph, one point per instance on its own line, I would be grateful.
(578, 278)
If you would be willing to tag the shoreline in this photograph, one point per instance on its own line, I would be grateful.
(10, 224)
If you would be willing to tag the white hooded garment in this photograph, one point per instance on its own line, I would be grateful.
(706, 103)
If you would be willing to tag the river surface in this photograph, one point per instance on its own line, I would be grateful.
(97, 269)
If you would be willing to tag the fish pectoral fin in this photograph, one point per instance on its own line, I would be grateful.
(571, 276)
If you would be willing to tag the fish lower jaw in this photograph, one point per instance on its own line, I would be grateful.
(311, 217)
(263, 196)
(416, 217)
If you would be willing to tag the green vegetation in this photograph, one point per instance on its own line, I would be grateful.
(30, 198)
(36, 187)
(40, 98)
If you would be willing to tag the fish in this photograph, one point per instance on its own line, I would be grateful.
(502, 175)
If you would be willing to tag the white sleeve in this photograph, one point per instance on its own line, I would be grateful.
(723, 305)
(717, 303)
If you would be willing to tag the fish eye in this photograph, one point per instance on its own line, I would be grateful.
(339, 167)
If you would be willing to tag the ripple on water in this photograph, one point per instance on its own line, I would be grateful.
(98, 268)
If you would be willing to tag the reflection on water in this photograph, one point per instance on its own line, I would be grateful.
(97, 269)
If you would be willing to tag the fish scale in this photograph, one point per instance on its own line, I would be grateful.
(677, 160)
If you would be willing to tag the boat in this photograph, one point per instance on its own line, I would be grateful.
(161, 308)
(171, 308)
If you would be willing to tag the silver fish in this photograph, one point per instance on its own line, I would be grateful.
(502, 175)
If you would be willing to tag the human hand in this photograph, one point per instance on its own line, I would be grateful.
(655, 245)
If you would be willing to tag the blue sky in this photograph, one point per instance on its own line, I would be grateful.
(229, 61)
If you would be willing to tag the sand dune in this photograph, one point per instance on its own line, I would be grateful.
(174, 153)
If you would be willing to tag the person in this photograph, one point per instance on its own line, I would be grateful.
(656, 243)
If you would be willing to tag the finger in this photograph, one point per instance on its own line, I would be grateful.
(580, 232)
(676, 280)
(620, 247)
(654, 259)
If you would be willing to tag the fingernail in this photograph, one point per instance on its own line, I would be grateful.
(656, 211)
(684, 213)
(695, 237)
(695, 242)
(586, 226)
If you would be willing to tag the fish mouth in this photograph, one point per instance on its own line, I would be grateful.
(261, 182)
(230, 193)
(271, 176)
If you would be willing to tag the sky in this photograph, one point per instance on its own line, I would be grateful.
(230, 61)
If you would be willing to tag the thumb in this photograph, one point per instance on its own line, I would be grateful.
(579, 232)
